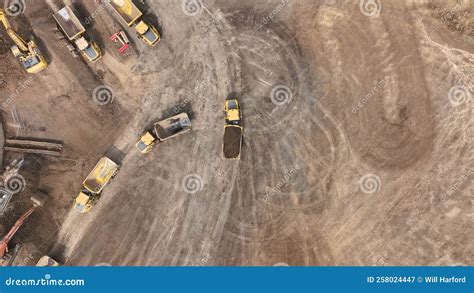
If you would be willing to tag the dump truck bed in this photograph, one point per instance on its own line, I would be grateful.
(232, 141)
(100, 175)
(69, 22)
(172, 126)
(126, 10)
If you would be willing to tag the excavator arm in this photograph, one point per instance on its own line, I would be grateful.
(27, 52)
(8, 237)
(22, 45)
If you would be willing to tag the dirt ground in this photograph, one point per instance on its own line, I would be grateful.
(358, 125)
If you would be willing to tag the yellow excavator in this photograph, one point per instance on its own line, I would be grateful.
(27, 52)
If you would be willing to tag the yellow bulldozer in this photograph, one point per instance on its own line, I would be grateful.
(27, 52)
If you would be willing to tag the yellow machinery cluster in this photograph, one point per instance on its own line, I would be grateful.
(27, 52)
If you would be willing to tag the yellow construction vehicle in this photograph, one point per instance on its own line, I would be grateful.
(95, 182)
(74, 30)
(163, 130)
(131, 15)
(146, 142)
(232, 112)
(232, 130)
(27, 52)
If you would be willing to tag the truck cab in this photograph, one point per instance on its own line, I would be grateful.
(90, 50)
(34, 64)
(148, 33)
(83, 202)
(232, 112)
(146, 142)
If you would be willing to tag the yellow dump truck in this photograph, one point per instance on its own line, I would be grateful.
(163, 130)
(131, 15)
(95, 182)
(232, 144)
(74, 31)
